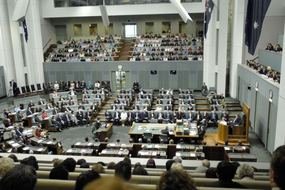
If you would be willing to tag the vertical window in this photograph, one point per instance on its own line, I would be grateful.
(77, 29)
(166, 27)
(92, 29)
(130, 30)
(149, 27)
(26, 79)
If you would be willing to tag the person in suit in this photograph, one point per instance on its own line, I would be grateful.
(29, 111)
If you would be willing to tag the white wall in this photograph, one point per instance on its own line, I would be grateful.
(48, 33)
(49, 11)
(280, 130)
(6, 53)
(271, 30)
(191, 29)
(33, 47)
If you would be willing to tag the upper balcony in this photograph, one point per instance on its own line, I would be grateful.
(90, 8)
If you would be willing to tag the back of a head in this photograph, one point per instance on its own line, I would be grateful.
(69, 164)
(206, 163)
(59, 172)
(211, 173)
(109, 183)
(123, 169)
(139, 170)
(18, 178)
(6, 164)
(176, 166)
(177, 159)
(56, 162)
(31, 161)
(84, 178)
(111, 165)
(277, 167)
(80, 161)
(150, 163)
(168, 164)
(13, 157)
(98, 168)
(176, 179)
(245, 170)
(226, 171)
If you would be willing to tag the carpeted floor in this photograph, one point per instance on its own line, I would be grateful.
(78, 134)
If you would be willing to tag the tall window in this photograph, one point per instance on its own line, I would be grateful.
(130, 30)
(23, 49)
(149, 27)
(77, 29)
(166, 27)
(92, 29)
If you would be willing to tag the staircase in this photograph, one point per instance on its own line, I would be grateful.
(127, 46)
(105, 107)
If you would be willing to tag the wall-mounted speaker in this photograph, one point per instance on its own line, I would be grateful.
(173, 72)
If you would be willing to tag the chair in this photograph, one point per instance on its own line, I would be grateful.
(23, 89)
(163, 138)
(33, 88)
(147, 136)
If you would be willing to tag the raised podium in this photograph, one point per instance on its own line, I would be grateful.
(223, 132)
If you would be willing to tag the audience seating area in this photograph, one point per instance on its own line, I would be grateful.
(149, 182)
(266, 71)
(156, 47)
(86, 50)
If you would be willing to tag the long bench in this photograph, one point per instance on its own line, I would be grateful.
(156, 173)
(160, 163)
(206, 182)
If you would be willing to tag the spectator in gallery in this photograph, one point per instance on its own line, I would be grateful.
(269, 47)
(277, 165)
(59, 172)
(109, 183)
(69, 164)
(168, 164)
(85, 178)
(226, 172)
(31, 161)
(123, 170)
(204, 167)
(150, 163)
(98, 168)
(211, 173)
(6, 164)
(278, 48)
(18, 178)
(245, 172)
(176, 179)
(139, 170)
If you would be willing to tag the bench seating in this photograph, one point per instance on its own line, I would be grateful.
(48, 184)
(153, 173)
(206, 182)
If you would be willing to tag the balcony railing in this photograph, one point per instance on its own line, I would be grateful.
(78, 3)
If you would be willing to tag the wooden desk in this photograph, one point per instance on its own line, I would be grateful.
(104, 132)
(244, 157)
(115, 152)
(79, 152)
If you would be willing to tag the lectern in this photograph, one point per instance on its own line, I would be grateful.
(223, 132)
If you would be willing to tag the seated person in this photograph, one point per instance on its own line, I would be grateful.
(269, 47)
(226, 172)
(278, 48)
(124, 117)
